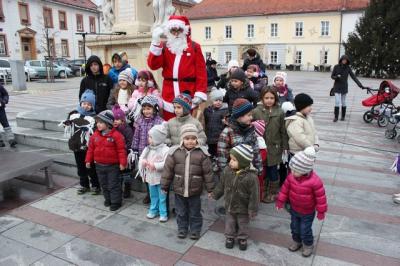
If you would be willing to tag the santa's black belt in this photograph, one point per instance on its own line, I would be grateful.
(182, 79)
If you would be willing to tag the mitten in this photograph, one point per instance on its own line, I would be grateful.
(321, 216)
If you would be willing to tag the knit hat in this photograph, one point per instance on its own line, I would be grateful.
(287, 107)
(150, 100)
(233, 63)
(107, 117)
(259, 126)
(302, 100)
(158, 133)
(239, 75)
(217, 94)
(118, 113)
(126, 75)
(88, 96)
(185, 101)
(189, 130)
(282, 75)
(303, 161)
(244, 154)
(241, 107)
(147, 75)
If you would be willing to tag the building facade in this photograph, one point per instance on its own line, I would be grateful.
(26, 25)
(295, 34)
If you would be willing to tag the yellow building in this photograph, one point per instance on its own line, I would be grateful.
(287, 33)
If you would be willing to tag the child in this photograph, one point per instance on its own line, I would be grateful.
(123, 92)
(120, 63)
(187, 167)
(275, 138)
(224, 78)
(151, 165)
(238, 131)
(148, 118)
(305, 191)
(107, 151)
(253, 74)
(126, 130)
(146, 85)
(280, 85)
(79, 126)
(239, 187)
(300, 127)
(259, 126)
(214, 116)
(3, 119)
(182, 106)
(239, 87)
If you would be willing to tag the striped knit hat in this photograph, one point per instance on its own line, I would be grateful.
(241, 107)
(244, 154)
(185, 101)
(303, 161)
(107, 117)
(150, 100)
(259, 126)
(126, 75)
(189, 130)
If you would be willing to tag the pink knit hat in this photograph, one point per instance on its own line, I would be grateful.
(118, 113)
(259, 126)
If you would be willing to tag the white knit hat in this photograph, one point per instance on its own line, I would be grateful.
(158, 133)
(282, 75)
(303, 161)
(287, 107)
(217, 94)
(126, 75)
(232, 63)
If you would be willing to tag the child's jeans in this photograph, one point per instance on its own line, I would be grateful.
(84, 173)
(109, 177)
(188, 213)
(236, 225)
(157, 201)
(301, 227)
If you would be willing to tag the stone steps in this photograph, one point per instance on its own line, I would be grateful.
(42, 138)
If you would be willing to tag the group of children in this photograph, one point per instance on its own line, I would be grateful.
(250, 133)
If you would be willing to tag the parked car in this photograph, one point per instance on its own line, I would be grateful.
(67, 63)
(79, 63)
(40, 67)
(6, 68)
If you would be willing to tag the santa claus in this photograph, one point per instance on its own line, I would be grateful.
(182, 61)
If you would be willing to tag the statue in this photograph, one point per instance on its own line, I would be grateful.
(163, 9)
(108, 16)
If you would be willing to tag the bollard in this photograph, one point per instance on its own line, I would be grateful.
(18, 75)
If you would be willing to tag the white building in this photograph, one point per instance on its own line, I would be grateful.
(23, 26)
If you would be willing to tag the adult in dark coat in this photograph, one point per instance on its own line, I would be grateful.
(340, 74)
(212, 75)
(254, 59)
(96, 81)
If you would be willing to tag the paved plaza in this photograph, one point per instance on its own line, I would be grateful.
(362, 226)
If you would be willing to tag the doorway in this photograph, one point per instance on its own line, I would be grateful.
(28, 50)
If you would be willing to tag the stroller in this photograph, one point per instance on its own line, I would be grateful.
(391, 130)
(381, 103)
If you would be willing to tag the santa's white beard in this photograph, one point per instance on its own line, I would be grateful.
(176, 44)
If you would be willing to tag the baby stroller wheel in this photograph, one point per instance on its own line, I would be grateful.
(383, 120)
(368, 117)
(390, 133)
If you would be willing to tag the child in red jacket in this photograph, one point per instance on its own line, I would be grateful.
(107, 150)
(305, 192)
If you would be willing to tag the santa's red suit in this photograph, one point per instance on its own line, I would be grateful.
(181, 72)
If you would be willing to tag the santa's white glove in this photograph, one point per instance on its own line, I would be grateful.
(156, 35)
(285, 157)
(196, 101)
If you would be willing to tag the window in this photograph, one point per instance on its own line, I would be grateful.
(64, 48)
(92, 24)
(81, 49)
(273, 57)
(52, 47)
(35, 64)
(48, 17)
(274, 29)
(24, 13)
(298, 57)
(79, 22)
(208, 33)
(299, 29)
(250, 30)
(1, 11)
(228, 32)
(3, 46)
(325, 57)
(4, 63)
(228, 57)
(62, 19)
(324, 28)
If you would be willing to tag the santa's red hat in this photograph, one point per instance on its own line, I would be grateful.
(180, 22)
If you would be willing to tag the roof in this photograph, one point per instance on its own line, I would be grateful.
(236, 8)
(87, 4)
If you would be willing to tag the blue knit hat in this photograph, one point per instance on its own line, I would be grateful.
(241, 107)
(88, 96)
(185, 101)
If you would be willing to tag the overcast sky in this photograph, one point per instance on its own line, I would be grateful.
(99, 2)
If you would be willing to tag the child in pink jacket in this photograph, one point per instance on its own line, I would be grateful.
(305, 192)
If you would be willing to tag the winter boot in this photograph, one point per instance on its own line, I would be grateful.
(294, 246)
(336, 114)
(10, 136)
(273, 187)
(127, 190)
(307, 250)
(343, 113)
